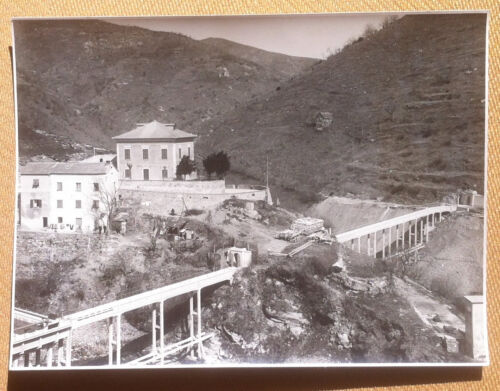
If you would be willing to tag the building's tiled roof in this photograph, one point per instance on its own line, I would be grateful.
(69, 168)
(154, 130)
(108, 157)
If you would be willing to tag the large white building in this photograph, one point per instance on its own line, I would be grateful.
(70, 196)
(152, 151)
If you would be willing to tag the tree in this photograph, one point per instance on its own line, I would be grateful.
(222, 164)
(107, 204)
(185, 167)
(209, 164)
(217, 163)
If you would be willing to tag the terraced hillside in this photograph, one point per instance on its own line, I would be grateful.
(407, 103)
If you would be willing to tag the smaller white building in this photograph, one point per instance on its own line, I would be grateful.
(69, 196)
(238, 257)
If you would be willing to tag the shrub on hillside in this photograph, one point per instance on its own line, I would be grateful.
(193, 212)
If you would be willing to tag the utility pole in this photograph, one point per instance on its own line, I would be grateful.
(267, 172)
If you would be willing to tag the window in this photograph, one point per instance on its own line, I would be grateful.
(59, 186)
(59, 220)
(164, 173)
(128, 173)
(146, 174)
(78, 204)
(164, 153)
(145, 154)
(78, 186)
(180, 153)
(59, 203)
(36, 183)
(96, 186)
(127, 154)
(95, 204)
(35, 203)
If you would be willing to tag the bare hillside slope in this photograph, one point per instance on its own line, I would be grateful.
(408, 116)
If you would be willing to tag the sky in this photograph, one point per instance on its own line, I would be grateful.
(314, 36)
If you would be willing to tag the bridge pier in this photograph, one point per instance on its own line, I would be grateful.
(191, 323)
(118, 339)
(162, 331)
(110, 341)
(60, 352)
(50, 353)
(198, 313)
(153, 331)
(114, 338)
(68, 349)
(383, 243)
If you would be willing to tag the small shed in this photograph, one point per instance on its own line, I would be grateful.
(472, 198)
(119, 222)
(186, 234)
(239, 257)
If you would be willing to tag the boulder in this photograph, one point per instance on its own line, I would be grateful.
(323, 120)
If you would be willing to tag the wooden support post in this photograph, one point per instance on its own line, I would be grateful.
(60, 352)
(198, 313)
(162, 331)
(37, 357)
(397, 238)
(68, 349)
(427, 228)
(118, 339)
(50, 355)
(421, 231)
(390, 241)
(383, 243)
(359, 244)
(110, 341)
(26, 359)
(414, 227)
(375, 244)
(368, 244)
(352, 244)
(153, 331)
(191, 323)
(15, 361)
(403, 235)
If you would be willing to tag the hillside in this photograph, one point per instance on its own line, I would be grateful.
(90, 80)
(285, 65)
(408, 116)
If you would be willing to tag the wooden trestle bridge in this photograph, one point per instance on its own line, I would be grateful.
(52, 345)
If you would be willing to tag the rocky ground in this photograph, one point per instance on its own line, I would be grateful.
(305, 309)
(308, 308)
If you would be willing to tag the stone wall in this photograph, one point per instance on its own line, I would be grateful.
(195, 187)
(161, 202)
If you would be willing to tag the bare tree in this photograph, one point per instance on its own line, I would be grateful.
(108, 196)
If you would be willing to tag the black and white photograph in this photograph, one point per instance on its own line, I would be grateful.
(220, 191)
